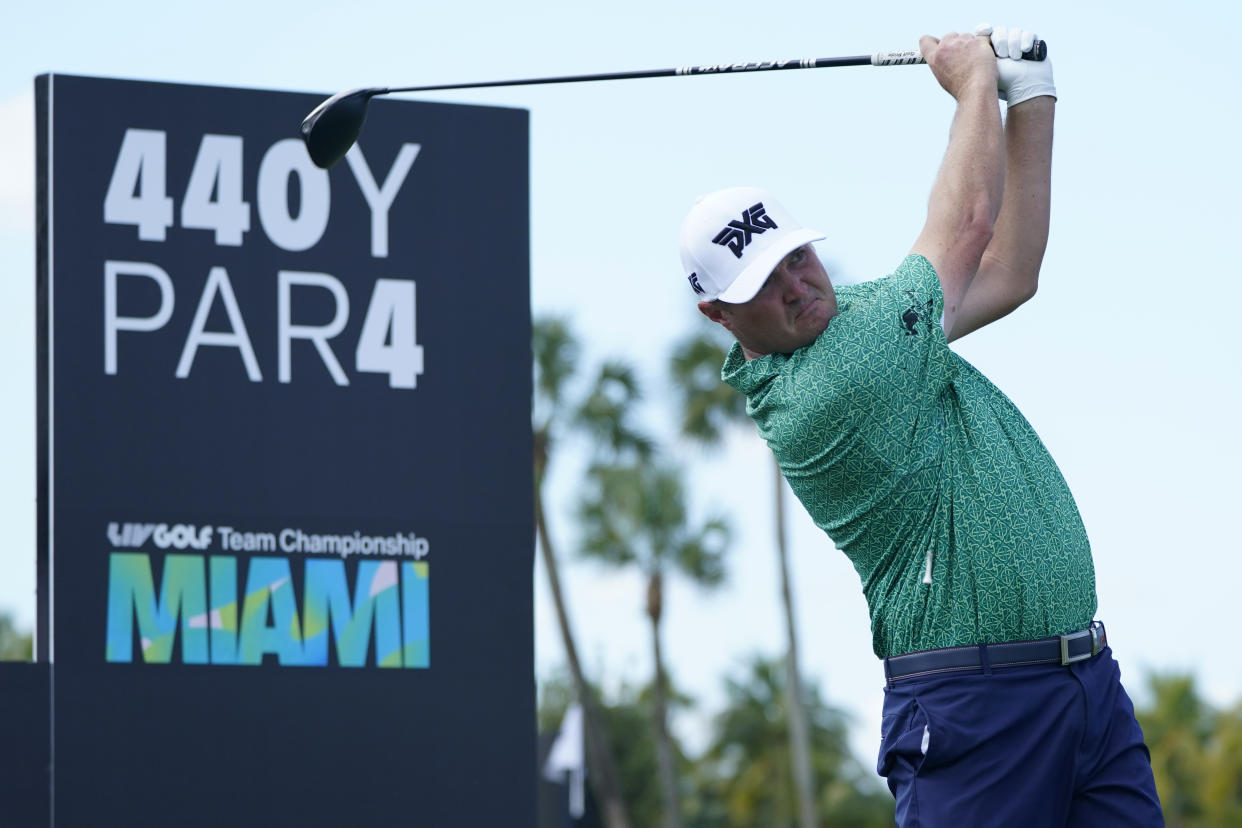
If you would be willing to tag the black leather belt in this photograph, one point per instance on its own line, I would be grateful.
(1060, 649)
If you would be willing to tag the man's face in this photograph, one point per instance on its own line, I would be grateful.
(791, 309)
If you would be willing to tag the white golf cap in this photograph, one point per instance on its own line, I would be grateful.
(732, 239)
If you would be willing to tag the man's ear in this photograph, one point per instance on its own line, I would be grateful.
(713, 312)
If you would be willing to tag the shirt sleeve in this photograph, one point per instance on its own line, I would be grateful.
(915, 283)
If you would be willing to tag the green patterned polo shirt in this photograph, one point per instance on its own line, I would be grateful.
(955, 516)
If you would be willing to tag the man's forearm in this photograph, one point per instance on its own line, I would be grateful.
(971, 174)
(966, 197)
(1021, 234)
(1009, 270)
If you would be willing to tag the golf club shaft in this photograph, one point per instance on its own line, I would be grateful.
(332, 127)
(904, 58)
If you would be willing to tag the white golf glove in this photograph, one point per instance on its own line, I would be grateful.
(1019, 80)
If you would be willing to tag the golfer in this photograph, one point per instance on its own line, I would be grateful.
(1003, 704)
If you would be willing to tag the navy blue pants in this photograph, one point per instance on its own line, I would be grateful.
(1044, 745)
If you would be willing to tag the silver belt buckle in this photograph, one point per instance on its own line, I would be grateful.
(1099, 638)
(1091, 633)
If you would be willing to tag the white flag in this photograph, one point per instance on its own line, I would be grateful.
(568, 756)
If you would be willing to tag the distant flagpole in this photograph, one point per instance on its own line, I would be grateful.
(568, 758)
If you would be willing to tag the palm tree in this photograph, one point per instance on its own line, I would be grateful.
(626, 714)
(634, 515)
(746, 766)
(1176, 727)
(709, 407)
(1222, 778)
(556, 353)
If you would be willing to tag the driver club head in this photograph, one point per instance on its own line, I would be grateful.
(332, 127)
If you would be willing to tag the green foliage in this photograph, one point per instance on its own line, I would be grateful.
(605, 413)
(608, 413)
(1222, 774)
(1196, 754)
(633, 514)
(555, 696)
(555, 352)
(746, 772)
(636, 514)
(707, 404)
(627, 722)
(743, 778)
(15, 645)
(632, 505)
(555, 358)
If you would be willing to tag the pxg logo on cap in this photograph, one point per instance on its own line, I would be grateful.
(733, 238)
(736, 234)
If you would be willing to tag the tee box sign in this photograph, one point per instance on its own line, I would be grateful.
(285, 524)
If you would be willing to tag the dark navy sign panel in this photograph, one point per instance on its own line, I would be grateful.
(286, 535)
(24, 758)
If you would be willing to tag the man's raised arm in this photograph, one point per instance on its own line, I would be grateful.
(1009, 270)
(966, 197)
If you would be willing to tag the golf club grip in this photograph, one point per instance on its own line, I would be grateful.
(1038, 51)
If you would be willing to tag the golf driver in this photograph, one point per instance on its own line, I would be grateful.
(332, 127)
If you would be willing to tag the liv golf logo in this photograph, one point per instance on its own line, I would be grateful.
(225, 608)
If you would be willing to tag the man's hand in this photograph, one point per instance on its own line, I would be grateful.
(1018, 80)
(959, 61)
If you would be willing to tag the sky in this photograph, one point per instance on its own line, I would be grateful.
(1126, 362)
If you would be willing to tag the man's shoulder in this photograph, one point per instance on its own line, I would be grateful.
(914, 269)
(892, 303)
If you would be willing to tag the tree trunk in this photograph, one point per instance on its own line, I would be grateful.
(799, 733)
(604, 779)
(664, 747)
